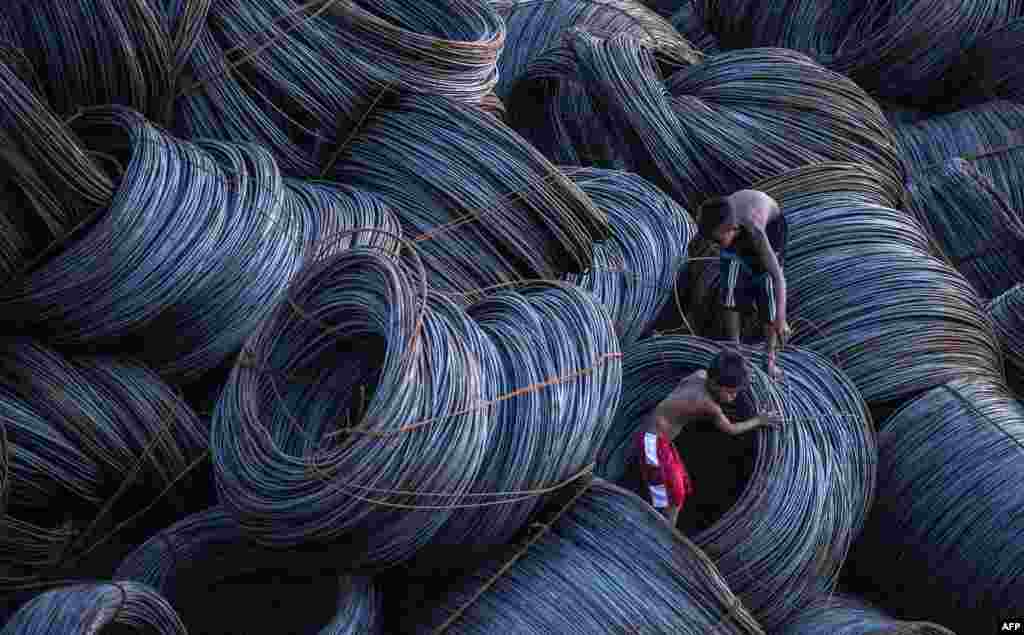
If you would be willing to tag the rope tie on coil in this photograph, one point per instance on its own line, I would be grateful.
(480, 405)
(542, 529)
(585, 474)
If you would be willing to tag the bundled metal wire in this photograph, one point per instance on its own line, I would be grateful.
(97, 53)
(848, 615)
(558, 376)
(806, 499)
(551, 106)
(690, 24)
(291, 464)
(197, 243)
(482, 206)
(990, 68)
(408, 428)
(989, 136)
(907, 52)
(92, 608)
(1007, 313)
(538, 26)
(273, 72)
(604, 563)
(903, 52)
(493, 105)
(189, 561)
(814, 27)
(972, 222)
(949, 509)
(116, 412)
(732, 120)
(866, 288)
(761, 112)
(83, 432)
(50, 182)
(634, 274)
(901, 115)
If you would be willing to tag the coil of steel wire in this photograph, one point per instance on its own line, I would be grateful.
(482, 206)
(273, 72)
(1007, 313)
(97, 53)
(59, 182)
(867, 290)
(92, 608)
(848, 615)
(608, 563)
(712, 128)
(909, 52)
(761, 112)
(809, 485)
(182, 250)
(556, 403)
(537, 26)
(198, 561)
(463, 469)
(989, 136)
(358, 342)
(89, 439)
(554, 110)
(973, 224)
(988, 69)
(814, 27)
(949, 511)
(906, 52)
(634, 274)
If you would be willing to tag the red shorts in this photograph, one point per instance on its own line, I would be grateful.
(662, 473)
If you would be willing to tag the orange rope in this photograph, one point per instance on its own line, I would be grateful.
(482, 404)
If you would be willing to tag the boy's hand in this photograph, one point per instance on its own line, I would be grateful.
(772, 419)
(783, 331)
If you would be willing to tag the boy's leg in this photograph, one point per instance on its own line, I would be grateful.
(767, 313)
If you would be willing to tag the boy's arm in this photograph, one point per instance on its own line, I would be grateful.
(771, 263)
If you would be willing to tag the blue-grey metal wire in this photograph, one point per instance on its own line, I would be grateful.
(95, 607)
(990, 136)
(813, 481)
(199, 241)
(609, 564)
(1007, 313)
(867, 290)
(989, 68)
(848, 615)
(204, 548)
(283, 469)
(949, 514)
(537, 26)
(83, 432)
(273, 72)
(690, 23)
(482, 206)
(97, 53)
(973, 224)
(735, 119)
(556, 346)
(634, 273)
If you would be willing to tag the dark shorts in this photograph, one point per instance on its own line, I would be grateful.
(744, 289)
